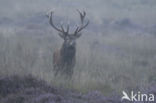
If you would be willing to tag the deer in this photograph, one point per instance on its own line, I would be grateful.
(64, 59)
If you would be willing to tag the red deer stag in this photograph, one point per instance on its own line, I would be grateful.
(64, 58)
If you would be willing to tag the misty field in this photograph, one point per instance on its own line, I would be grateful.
(106, 61)
(116, 52)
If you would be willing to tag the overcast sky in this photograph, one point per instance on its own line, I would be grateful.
(140, 11)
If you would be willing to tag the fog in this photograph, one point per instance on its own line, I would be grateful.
(117, 50)
(140, 11)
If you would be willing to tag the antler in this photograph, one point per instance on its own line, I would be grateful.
(65, 33)
(82, 17)
(60, 30)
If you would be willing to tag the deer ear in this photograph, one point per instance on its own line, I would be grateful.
(78, 35)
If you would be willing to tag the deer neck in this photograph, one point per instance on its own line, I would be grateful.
(68, 54)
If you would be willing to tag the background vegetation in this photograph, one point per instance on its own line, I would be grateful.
(115, 52)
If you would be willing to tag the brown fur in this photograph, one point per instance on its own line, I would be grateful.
(61, 65)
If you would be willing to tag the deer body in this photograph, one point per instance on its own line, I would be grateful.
(64, 58)
(64, 61)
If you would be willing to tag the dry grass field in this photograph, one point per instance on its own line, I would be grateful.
(116, 52)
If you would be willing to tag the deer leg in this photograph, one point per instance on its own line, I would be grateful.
(69, 72)
(56, 70)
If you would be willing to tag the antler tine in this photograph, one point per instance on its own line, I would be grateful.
(82, 16)
(52, 24)
(62, 28)
(82, 27)
(68, 29)
(76, 30)
(84, 13)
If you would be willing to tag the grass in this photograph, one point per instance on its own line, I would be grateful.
(107, 63)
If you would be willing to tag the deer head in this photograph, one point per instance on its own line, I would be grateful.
(69, 38)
